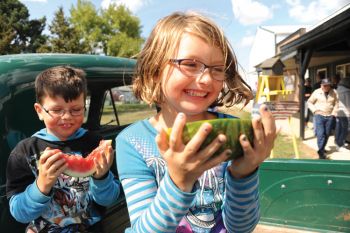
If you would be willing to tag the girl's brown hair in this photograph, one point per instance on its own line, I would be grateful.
(64, 81)
(161, 46)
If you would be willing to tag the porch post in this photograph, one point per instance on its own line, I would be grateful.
(304, 60)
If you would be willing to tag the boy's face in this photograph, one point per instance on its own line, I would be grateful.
(59, 124)
(192, 95)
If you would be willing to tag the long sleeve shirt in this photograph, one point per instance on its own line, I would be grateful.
(218, 202)
(326, 104)
(344, 101)
(72, 200)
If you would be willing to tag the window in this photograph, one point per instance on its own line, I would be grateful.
(322, 73)
(122, 108)
(343, 70)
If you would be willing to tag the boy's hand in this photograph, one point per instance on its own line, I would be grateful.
(51, 165)
(264, 136)
(185, 162)
(104, 163)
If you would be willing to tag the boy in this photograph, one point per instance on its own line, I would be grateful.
(38, 192)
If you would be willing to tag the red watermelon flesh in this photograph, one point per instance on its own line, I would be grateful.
(77, 166)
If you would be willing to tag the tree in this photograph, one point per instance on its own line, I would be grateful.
(115, 30)
(17, 33)
(122, 32)
(64, 38)
(88, 24)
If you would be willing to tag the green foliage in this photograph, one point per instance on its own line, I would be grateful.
(17, 33)
(122, 31)
(88, 24)
(114, 30)
(64, 38)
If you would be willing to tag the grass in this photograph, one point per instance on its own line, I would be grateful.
(129, 113)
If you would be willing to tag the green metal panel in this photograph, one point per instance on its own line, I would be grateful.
(18, 72)
(313, 194)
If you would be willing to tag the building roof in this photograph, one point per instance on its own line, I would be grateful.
(331, 30)
(269, 63)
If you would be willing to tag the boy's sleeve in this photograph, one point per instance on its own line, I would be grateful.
(25, 199)
(28, 205)
(241, 209)
(105, 192)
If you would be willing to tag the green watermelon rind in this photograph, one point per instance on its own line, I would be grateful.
(231, 127)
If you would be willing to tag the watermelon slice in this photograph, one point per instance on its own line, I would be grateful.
(231, 127)
(83, 167)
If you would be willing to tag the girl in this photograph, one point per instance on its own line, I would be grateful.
(185, 67)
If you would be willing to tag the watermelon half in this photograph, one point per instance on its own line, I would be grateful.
(231, 127)
(78, 166)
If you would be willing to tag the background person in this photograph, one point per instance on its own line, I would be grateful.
(343, 115)
(323, 103)
(319, 78)
(307, 94)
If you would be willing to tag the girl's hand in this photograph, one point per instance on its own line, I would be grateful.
(51, 165)
(185, 162)
(103, 164)
(264, 136)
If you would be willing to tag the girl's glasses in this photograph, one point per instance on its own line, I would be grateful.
(61, 112)
(193, 68)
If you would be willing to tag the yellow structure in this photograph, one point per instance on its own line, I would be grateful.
(269, 85)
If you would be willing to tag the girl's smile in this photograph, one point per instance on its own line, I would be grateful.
(191, 94)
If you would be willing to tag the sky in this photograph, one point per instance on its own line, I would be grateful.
(238, 18)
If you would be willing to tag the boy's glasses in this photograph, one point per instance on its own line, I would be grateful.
(61, 112)
(193, 68)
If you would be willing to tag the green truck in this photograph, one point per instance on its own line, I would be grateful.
(304, 194)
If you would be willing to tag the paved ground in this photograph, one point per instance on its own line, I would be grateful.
(331, 153)
(272, 229)
(311, 141)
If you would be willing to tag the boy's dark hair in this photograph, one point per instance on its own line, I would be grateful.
(64, 81)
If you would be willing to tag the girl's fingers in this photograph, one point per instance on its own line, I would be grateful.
(246, 146)
(175, 138)
(197, 140)
(208, 152)
(269, 125)
(268, 121)
(216, 160)
(259, 136)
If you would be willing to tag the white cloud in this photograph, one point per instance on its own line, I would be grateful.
(132, 5)
(247, 41)
(315, 10)
(33, 1)
(250, 12)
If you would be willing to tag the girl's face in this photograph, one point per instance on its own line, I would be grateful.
(191, 95)
(61, 119)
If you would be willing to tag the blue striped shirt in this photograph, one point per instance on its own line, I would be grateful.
(217, 203)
